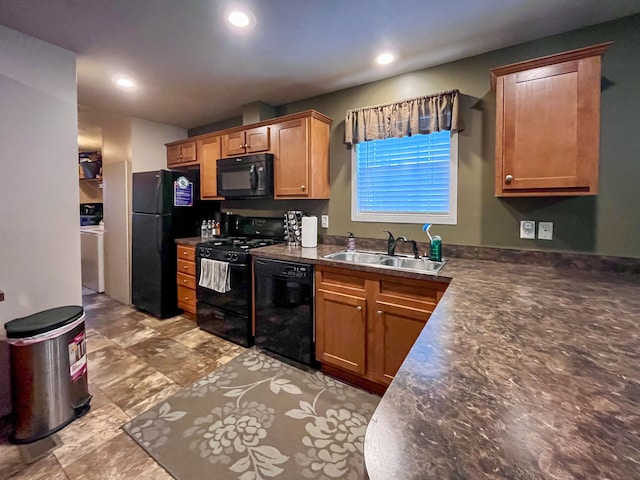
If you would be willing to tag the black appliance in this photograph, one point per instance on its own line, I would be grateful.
(90, 213)
(164, 208)
(228, 314)
(285, 309)
(245, 177)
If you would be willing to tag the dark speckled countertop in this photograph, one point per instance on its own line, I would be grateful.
(193, 241)
(522, 372)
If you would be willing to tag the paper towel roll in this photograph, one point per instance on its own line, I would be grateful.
(310, 231)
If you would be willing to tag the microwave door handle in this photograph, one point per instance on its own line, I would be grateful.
(253, 178)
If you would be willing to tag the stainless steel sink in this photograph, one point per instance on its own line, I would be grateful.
(421, 264)
(355, 257)
(383, 260)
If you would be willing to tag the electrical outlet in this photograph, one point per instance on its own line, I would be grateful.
(528, 229)
(325, 221)
(545, 230)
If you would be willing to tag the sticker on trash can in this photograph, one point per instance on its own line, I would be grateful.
(78, 356)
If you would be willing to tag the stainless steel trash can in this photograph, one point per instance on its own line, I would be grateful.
(48, 371)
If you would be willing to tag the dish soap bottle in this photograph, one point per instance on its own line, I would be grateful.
(435, 249)
(351, 243)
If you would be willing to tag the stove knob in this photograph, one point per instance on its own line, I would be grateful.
(234, 257)
(228, 256)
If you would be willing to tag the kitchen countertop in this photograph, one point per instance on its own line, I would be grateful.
(193, 241)
(522, 372)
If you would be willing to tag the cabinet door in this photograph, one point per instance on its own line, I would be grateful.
(291, 159)
(188, 152)
(396, 329)
(209, 153)
(341, 330)
(257, 139)
(173, 155)
(233, 144)
(550, 127)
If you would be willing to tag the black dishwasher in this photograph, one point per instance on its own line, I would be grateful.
(285, 309)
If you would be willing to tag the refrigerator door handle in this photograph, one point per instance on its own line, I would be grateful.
(159, 237)
(159, 193)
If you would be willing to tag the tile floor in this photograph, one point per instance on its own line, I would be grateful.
(135, 361)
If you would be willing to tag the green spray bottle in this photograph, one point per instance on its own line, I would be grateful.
(435, 249)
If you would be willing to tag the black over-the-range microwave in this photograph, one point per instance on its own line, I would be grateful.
(246, 176)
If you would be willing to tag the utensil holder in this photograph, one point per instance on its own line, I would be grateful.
(293, 227)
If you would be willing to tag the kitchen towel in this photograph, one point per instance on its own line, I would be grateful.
(310, 231)
(215, 275)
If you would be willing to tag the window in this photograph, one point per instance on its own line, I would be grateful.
(406, 180)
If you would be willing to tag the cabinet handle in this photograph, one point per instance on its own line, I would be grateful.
(186, 299)
(379, 312)
(303, 187)
(185, 267)
(508, 178)
(184, 281)
(359, 308)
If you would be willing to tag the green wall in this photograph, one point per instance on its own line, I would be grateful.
(607, 224)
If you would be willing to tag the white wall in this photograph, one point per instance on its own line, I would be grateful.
(39, 236)
(147, 144)
(129, 145)
(116, 197)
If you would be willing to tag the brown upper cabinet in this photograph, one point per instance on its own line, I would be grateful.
(208, 153)
(548, 124)
(301, 156)
(181, 153)
(244, 142)
(299, 143)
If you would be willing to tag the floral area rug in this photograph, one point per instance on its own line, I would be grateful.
(257, 418)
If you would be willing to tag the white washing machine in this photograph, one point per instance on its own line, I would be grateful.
(92, 255)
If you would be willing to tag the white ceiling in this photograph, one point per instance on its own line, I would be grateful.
(192, 69)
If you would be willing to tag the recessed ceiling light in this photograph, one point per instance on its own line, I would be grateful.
(125, 82)
(385, 58)
(239, 19)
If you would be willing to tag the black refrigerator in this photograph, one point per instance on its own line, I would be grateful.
(165, 207)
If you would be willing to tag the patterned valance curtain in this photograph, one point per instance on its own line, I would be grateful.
(431, 113)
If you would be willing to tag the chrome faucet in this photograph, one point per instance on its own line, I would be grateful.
(391, 245)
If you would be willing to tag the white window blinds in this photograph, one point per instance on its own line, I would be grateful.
(409, 175)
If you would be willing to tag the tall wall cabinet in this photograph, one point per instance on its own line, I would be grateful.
(548, 124)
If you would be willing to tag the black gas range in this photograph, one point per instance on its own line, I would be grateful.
(223, 276)
(232, 249)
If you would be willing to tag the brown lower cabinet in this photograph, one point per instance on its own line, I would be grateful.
(366, 323)
(186, 279)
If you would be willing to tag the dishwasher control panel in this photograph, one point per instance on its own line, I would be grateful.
(295, 271)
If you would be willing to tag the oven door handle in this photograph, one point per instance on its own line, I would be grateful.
(239, 265)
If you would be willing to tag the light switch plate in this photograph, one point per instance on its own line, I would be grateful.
(325, 221)
(528, 229)
(545, 230)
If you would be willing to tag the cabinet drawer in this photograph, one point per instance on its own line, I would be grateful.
(341, 279)
(188, 268)
(422, 295)
(187, 296)
(186, 252)
(188, 281)
(187, 307)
